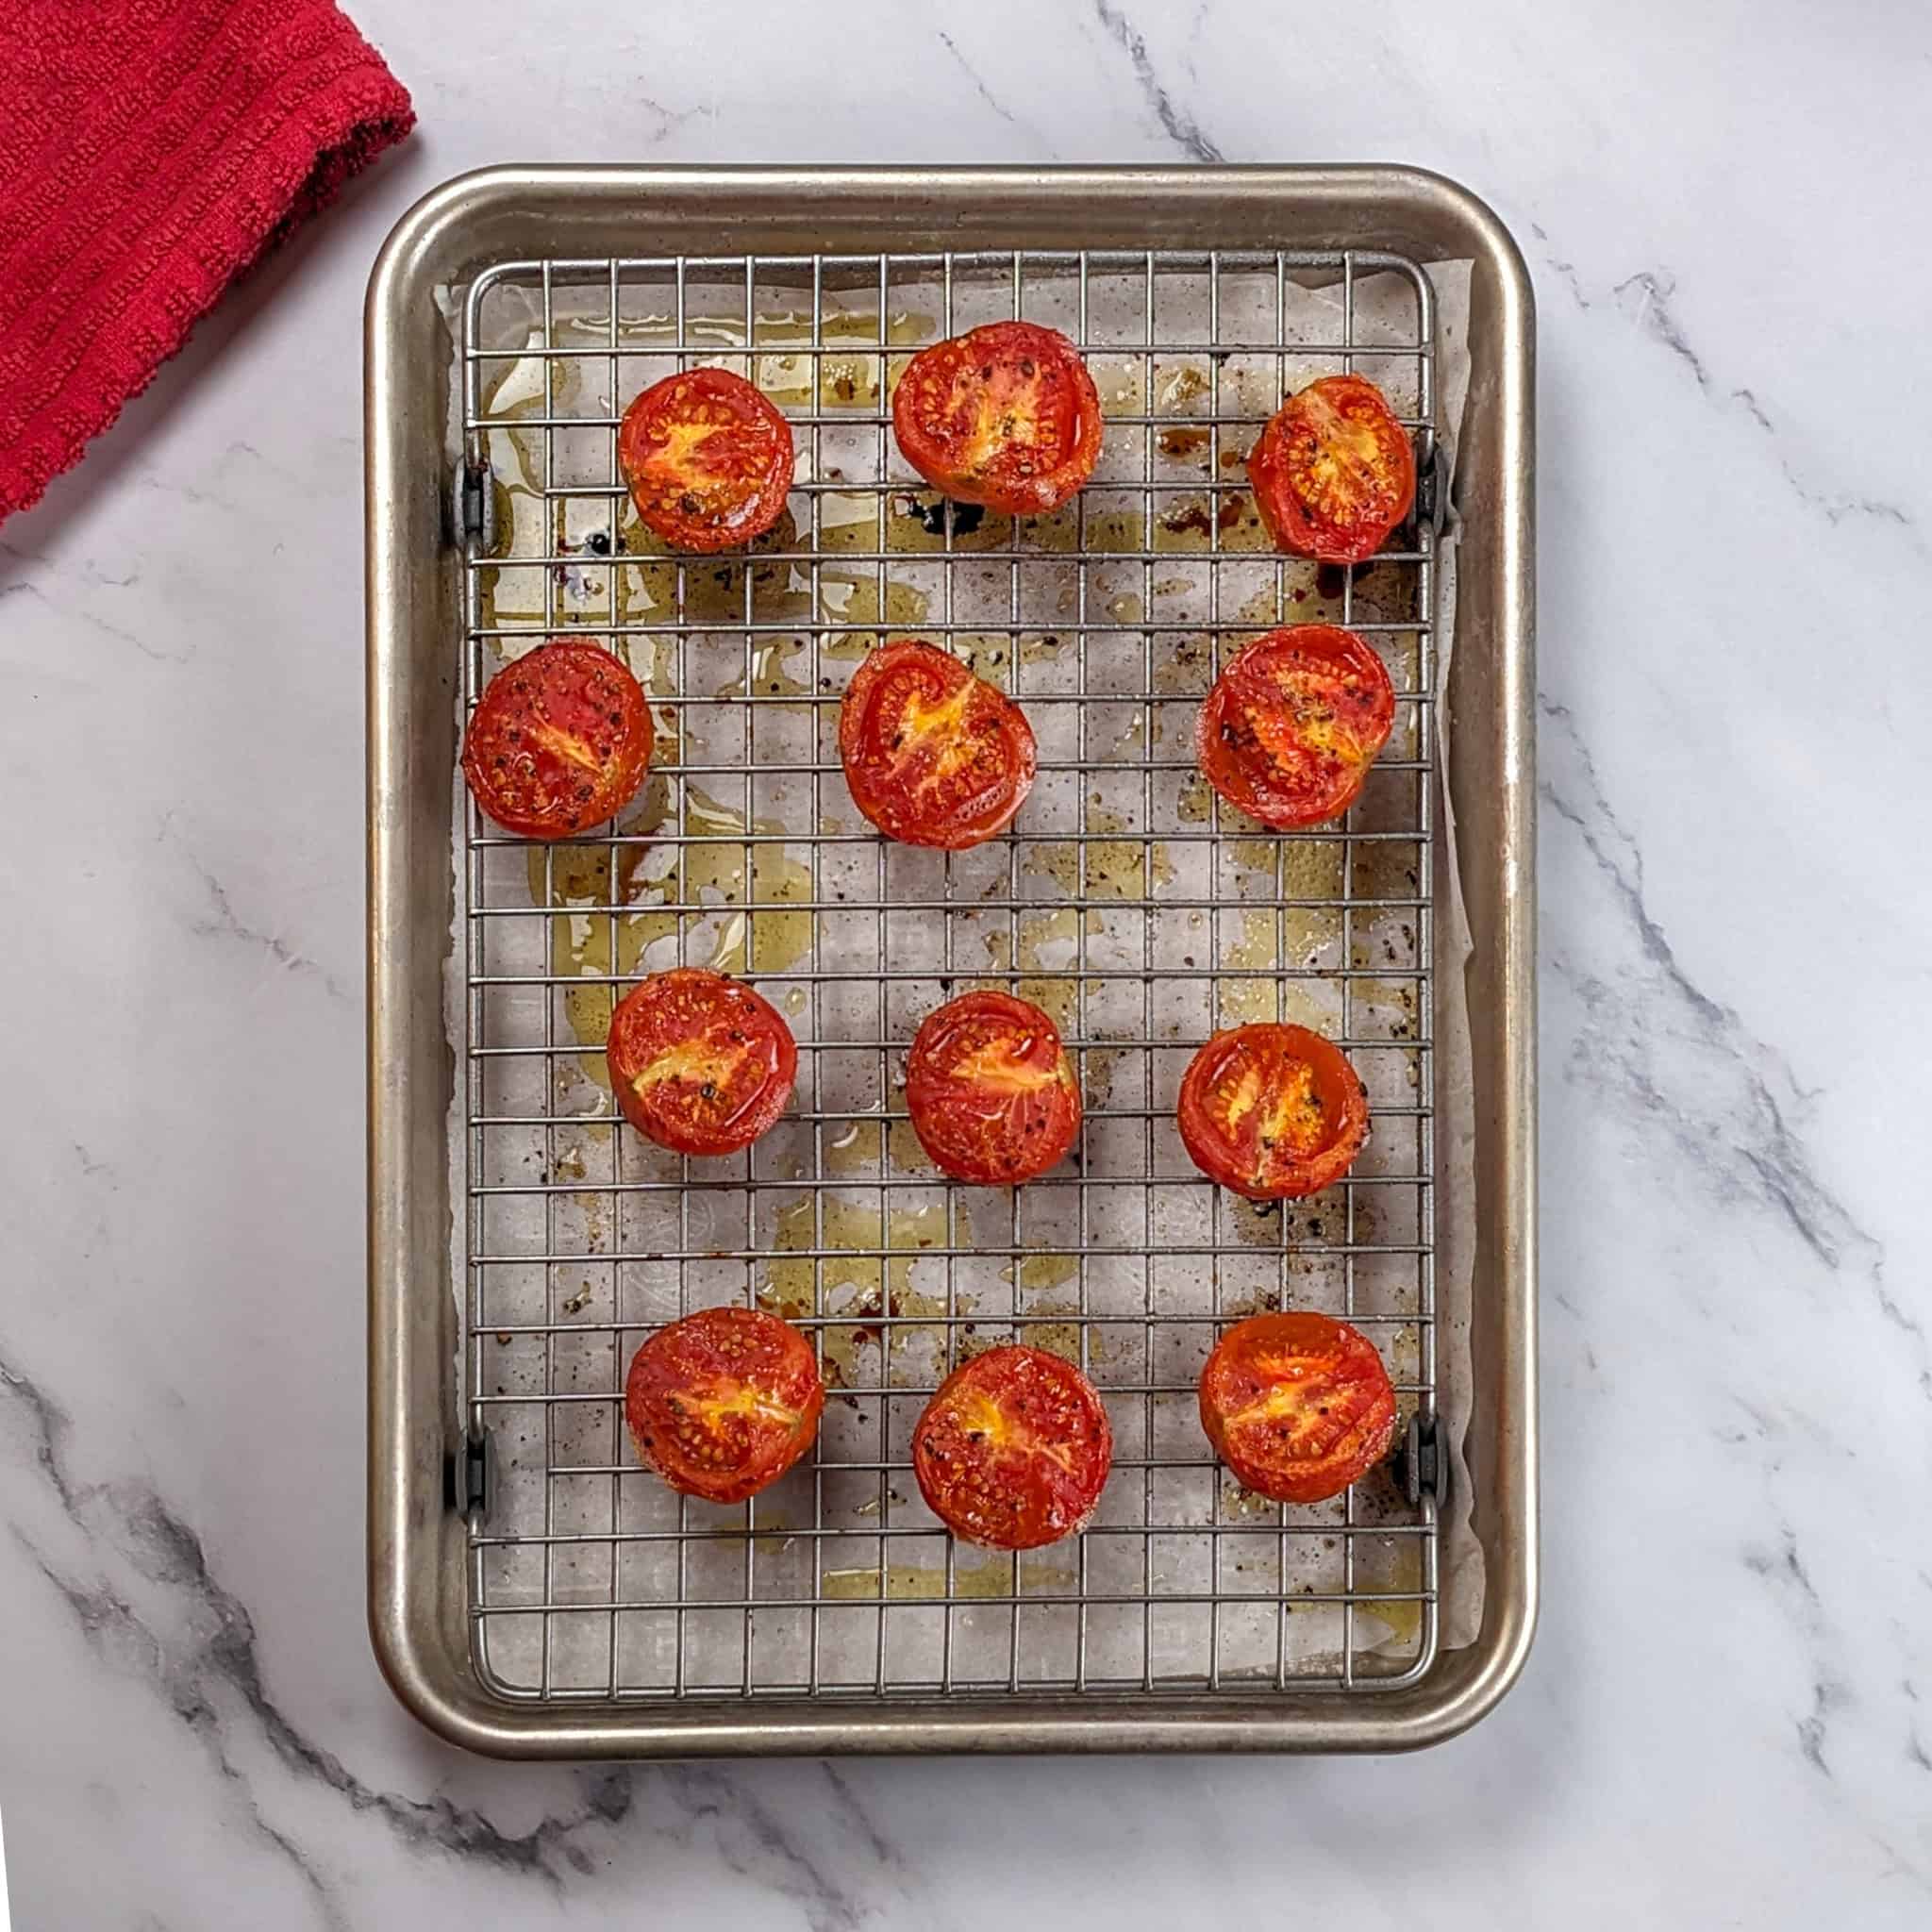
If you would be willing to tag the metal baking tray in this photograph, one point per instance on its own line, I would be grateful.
(531, 1592)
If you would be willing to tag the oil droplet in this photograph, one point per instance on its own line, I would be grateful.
(1055, 1337)
(1250, 855)
(1113, 869)
(852, 602)
(1039, 1273)
(1246, 1001)
(919, 1582)
(854, 1280)
(1394, 1565)
(852, 1149)
(1185, 383)
(756, 939)
(769, 674)
(592, 942)
(1309, 931)
(1312, 1003)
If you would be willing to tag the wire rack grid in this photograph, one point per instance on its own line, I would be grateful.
(1127, 900)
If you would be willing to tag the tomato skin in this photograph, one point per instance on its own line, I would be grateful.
(698, 1063)
(1004, 416)
(708, 459)
(1334, 472)
(1298, 1405)
(1014, 1449)
(559, 740)
(933, 754)
(723, 1403)
(991, 1091)
(1293, 724)
(1273, 1111)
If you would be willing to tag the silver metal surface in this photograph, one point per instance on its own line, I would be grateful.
(591, 1611)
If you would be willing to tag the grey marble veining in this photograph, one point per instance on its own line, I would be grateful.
(1728, 1716)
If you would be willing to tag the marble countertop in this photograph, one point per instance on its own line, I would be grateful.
(1728, 1719)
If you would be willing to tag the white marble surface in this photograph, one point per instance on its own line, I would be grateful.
(1728, 1716)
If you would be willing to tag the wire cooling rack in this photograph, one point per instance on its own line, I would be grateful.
(1127, 900)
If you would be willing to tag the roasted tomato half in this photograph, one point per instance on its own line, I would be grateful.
(723, 1403)
(934, 755)
(1298, 1405)
(1334, 472)
(990, 1089)
(707, 459)
(1293, 722)
(1013, 1451)
(699, 1063)
(1004, 416)
(1273, 1111)
(559, 740)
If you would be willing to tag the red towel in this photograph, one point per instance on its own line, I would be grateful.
(150, 150)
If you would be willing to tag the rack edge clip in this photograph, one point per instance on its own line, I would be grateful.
(471, 1476)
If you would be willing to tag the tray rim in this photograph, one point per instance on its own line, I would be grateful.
(418, 1634)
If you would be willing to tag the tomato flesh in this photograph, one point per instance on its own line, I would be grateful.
(990, 1089)
(1293, 724)
(559, 740)
(1334, 472)
(1273, 1111)
(723, 1403)
(699, 1063)
(1006, 416)
(1299, 1405)
(708, 459)
(1014, 1449)
(933, 754)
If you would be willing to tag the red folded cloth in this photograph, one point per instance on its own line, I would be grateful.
(150, 150)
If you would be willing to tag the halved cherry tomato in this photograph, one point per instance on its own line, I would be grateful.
(933, 754)
(1334, 472)
(559, 740)
(708, 459)
(1014, 1449)
(1293, 722)
(723, 1403)
(699, 1063)
(1273, 1111)
(1298, 1405)
(990, 1089)
(1004, 416)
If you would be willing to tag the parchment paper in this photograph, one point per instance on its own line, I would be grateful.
(1462, 1578)
(582, 1232)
